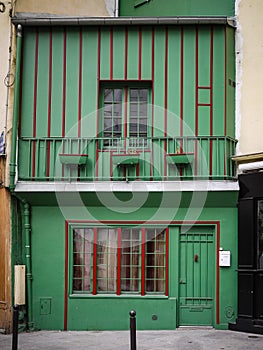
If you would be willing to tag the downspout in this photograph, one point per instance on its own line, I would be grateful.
(116, 8)
(27, 227)
(16, 108)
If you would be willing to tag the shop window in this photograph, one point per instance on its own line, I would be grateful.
(125, 115)
(119, 261)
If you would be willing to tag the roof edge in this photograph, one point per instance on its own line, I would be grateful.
(33, 19)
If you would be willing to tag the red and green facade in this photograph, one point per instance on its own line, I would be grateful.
(125, 133)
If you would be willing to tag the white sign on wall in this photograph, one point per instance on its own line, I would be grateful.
(224, 258)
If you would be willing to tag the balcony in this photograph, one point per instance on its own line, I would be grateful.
(129, 159)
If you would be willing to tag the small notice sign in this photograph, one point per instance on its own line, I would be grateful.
(224, 258)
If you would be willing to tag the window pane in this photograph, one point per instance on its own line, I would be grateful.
(106, 260)
(133, 95)
(143, 95)
(130, 260)
(117, 95)
(108, 94)
(155, 261)
(143, 109)
(82, 256)
(117, 109)
(133, 109)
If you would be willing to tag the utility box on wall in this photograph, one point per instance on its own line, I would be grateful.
(20, 285)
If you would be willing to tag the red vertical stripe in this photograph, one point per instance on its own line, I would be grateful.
(165, 98)
(167, 262)
(35, 106)
(196, 97)
(66, 278)
(111, 54)
(125, 112)
(152, 110)
(217, 273)
(225, 83)
(211, 98)
(95, 239)
(49, 102)
(80, 84)
(97, 116)
(225, 99)
(140, 55)
(196, 80)
(182, 85)
(119, 263)
(126, 54)
(64, 84)
(143, 263)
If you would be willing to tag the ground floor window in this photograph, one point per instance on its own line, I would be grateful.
(120, 260)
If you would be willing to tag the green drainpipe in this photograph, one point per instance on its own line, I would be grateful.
(27, 227)
(16, 108)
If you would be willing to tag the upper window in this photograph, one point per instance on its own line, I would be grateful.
(125, 115)
(119, 260)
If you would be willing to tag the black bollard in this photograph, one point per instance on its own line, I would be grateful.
(133, 329)
(15, 327)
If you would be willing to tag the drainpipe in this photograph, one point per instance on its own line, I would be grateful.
(116, 8)
(16, 108)
(27, 227)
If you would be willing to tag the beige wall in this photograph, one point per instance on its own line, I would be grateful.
(250, 76)
(67, 7)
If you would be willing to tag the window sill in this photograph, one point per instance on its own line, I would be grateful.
(122, 296)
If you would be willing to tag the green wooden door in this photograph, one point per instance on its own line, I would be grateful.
(196, 277)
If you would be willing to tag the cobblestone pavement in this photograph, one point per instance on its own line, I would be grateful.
(180, 339)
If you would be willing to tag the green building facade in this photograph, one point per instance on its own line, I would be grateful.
(124, 195)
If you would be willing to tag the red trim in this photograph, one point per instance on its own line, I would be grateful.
(97, 116)
(125, 112)
(111, 53)
(167, 263)
(140, 55)
(126, 54)
(64, 84)
(196, 96)
(152, 126)
(217, 273)
(94, 287)
(225, 95)
(196, 79)
(165, 98)
(49, 102)
(35, 106)
(211, 99)
(80, 83)
(106, 81)
(66, 277)
(182, 86)
(119, 263)
(143, 263)
(225, 74)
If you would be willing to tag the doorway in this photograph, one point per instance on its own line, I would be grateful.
(196, 276)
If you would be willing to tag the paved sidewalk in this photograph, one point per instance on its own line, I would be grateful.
(180, 339)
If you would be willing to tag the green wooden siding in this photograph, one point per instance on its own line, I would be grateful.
(177, 8)
(190, 70)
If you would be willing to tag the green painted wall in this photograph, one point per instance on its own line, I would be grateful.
(177, 8)
(190, 70)
(48, 269)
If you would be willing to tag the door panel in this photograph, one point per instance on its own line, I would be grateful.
(196, 277)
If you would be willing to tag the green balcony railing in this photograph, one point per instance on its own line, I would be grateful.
(102, 159)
